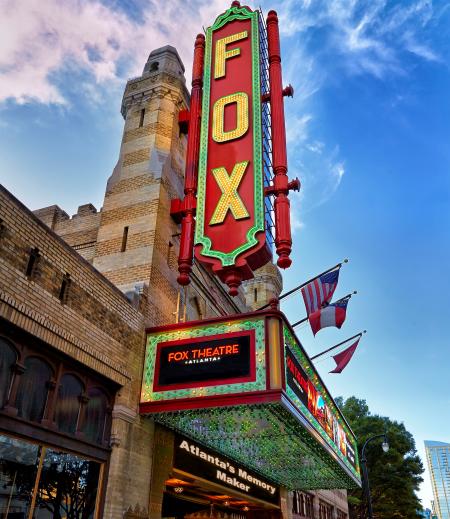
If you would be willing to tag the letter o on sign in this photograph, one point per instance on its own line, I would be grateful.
(218, 132)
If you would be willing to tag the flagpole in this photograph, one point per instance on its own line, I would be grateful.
(306, 282)
(360, 334)
(338, 301)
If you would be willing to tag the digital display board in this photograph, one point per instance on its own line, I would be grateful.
(304, 389)
(197, 460)
(205, 361)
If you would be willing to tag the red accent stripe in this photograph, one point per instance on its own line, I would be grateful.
(181, 404)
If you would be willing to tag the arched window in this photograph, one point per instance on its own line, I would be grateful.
(33, 389)
(8, 357)
(95, 420)
(68, 403)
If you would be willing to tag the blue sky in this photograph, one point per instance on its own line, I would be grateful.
(368, 135)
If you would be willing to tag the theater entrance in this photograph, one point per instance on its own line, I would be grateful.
(189, 498)
(202, 483)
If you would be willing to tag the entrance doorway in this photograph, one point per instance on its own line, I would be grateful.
(193, 499)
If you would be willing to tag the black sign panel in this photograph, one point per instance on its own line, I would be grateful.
(297, 379)
(194, 459)
(213, 360)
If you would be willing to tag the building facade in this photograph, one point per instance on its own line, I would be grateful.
(76, 296)
(438, 459)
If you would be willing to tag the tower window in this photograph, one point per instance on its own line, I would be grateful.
(255, 295)
(154, 66)
(141, 120)
(124, 239)
(32, 261)
(64, 288)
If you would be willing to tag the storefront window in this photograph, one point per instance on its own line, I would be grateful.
(67, 487)
(42, 483)
(18, 468)
(69, 401)
(8, 358)
(95, 415)
(33, 389)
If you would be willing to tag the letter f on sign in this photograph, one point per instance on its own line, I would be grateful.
(222, 54)
(230, 198)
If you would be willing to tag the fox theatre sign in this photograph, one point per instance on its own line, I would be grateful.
(242, 387)
(225, 170)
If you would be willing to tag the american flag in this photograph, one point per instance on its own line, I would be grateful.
(320, 290)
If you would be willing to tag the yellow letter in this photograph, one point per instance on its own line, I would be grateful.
(222, 54)
(218, 133)
(230, 198)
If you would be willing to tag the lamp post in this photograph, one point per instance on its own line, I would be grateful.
(385, 447)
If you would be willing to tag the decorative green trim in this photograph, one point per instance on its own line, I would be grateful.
(233, 13)
(147, 393)
(229, 259)
(291, 343)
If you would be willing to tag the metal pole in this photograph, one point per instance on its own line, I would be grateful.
(366, 473)
(360, 334)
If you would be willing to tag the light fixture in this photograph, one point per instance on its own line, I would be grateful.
(385, 445)
(226, 503)
(178, 490)
(246, 509)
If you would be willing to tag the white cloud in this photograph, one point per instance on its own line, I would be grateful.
(40, 39)
(367, 36)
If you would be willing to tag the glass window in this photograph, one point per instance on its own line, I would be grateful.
(67, 487)
(33, 389)
(68, 403)
(18, 468)
(8, 357)
(96, 415)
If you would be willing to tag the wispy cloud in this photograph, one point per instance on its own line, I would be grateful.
(328, 39)
(41, 39)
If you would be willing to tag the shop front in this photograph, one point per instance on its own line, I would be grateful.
(249, 413)
(54, 432)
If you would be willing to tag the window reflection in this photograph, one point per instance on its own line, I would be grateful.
(18, 468)
(69, 401)
(67, 487)
(8, 358)
(33, 389)
(44, 483)
(95, 415)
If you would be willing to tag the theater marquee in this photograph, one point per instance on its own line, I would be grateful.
(244, 387)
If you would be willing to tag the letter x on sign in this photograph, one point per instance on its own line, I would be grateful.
(229, 199)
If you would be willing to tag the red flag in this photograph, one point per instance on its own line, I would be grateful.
(343, 358)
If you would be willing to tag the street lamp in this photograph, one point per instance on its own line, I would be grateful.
(385, 447)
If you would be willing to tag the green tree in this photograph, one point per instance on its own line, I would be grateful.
(394, 476)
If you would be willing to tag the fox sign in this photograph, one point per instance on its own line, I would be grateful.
(230, 210)
(224, 163)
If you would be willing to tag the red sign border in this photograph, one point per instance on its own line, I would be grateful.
(215, 382)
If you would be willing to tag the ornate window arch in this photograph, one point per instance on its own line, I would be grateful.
(68, 403)
(33, 389)
(8, 358)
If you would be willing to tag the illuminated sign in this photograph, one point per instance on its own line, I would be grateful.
(230, 209)
(319, 405)
(243, 387)
(205, 361)
(197, 460)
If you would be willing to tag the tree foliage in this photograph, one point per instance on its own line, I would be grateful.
(394, 476)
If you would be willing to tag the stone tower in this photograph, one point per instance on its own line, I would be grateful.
(266, 285)
(136, 237)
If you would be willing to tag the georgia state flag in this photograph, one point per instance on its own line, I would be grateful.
(332, 315)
